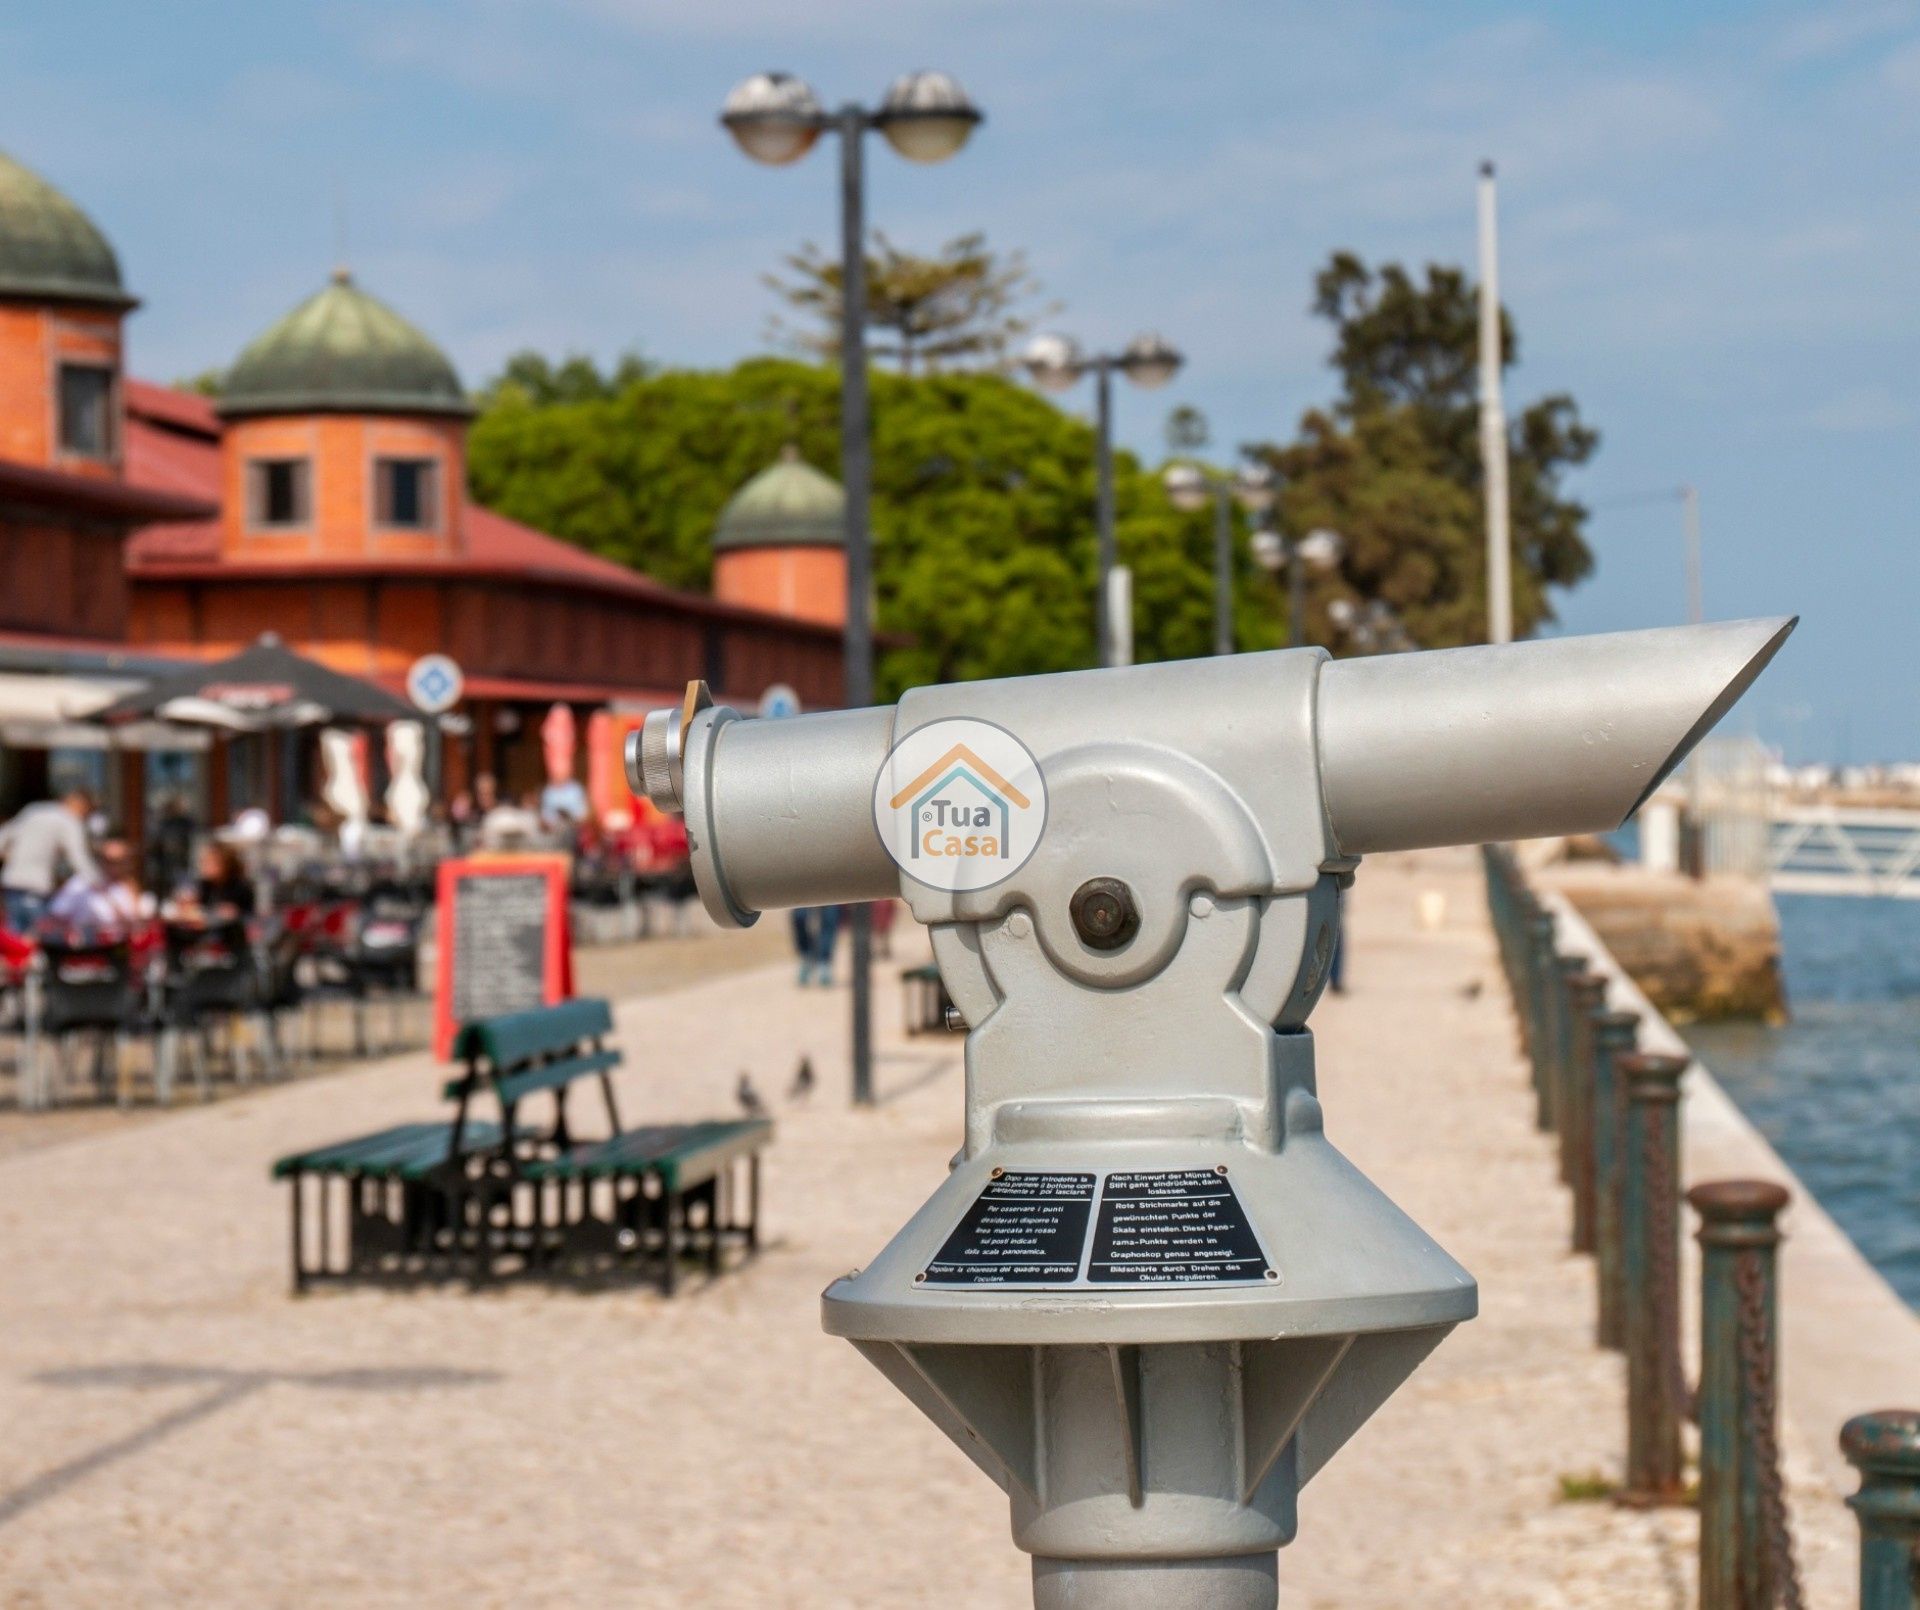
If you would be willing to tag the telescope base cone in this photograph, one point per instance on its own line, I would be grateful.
(1232, 1582)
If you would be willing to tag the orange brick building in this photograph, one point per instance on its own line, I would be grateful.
(323, 496)
(66, 507)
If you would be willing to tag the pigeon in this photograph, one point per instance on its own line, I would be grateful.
(1470, 991)
(802, 1081)
(749, 1098)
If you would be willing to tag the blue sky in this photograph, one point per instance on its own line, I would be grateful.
(1710, 230)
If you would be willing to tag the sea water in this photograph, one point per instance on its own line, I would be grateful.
(1837, 1089)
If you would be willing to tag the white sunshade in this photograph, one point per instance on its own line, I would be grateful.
(49, 712)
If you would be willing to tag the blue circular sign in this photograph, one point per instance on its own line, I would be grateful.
(435, 683)
(779, 700)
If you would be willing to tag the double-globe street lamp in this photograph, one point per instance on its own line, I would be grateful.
(1190, 487)
(777, 119)
(1319, 551)
(1055, 363)
(1373, 627)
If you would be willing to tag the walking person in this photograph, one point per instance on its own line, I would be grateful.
(42, 846)
(825, 932)
(805, 922)
(883, 915)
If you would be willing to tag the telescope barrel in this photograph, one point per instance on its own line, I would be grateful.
(792, 809)
(1525, 740)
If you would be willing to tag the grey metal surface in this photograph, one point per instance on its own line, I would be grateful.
(780, 813)
(1560, 735)
(1152, 1434)
(1231, 1582)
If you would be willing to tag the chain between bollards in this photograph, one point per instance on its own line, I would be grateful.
(1885, 1448)
(1746, 1545)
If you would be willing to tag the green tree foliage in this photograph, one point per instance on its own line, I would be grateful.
(1394, 464)
(961, 306)
(982, 508)
(575, 378)
(1187, 431)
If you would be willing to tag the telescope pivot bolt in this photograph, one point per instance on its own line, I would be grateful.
(1104, 913)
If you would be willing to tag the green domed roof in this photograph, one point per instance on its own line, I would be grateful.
(49, 247)
(342, 351)
(787, 505)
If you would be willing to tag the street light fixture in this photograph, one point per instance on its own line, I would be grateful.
(1320, 550)
(777, 119)
(1054, 363)
(1190, 488)
(1373, 628)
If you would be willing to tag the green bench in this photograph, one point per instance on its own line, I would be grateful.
(482, 1200)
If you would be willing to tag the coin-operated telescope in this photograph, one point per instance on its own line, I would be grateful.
(1151, 1300)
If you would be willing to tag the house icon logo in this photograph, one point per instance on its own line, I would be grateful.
(960, 804)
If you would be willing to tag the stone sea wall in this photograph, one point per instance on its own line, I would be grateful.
(1700, 949)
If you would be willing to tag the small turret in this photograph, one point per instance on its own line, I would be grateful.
(780, 543)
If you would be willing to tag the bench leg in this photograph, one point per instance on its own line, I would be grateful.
(670, 1244)
(753, 1203)
(299, 1240)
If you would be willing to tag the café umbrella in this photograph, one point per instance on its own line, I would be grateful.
(262, 694)
(265, 688)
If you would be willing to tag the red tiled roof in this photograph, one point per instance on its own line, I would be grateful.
(122, 502)
(171, 456)
(183, 410)
(530, 688)
(173, 441)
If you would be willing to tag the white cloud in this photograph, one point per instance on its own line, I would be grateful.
(1866, 410)
(1833, 28)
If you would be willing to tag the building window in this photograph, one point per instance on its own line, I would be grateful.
(279, 491)
(406, 493)
(86, 410)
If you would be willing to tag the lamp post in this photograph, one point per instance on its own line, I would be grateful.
(1319, 550)
(1055, 362)
(777, 119)
(1189, 489)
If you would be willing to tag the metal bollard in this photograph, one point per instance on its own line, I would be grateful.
(1587, 995)
(1885, 1448)
(1746, 1549)
(1566, 1024)
(1540, 954)
(1614, 1034)
(1650, 1244)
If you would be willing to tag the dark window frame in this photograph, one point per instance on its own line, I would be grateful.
(106, 401)
(423, 495)
(261, 492)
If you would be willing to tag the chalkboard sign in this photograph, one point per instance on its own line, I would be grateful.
(503, 939)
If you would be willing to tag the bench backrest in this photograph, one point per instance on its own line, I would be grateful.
(516, 1037)
(520, 1054)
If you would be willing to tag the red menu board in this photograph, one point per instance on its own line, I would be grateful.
(503, 941)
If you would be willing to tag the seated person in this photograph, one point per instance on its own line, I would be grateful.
(220, 888)
(112, 902)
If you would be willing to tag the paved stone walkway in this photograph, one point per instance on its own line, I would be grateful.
(177, 1429)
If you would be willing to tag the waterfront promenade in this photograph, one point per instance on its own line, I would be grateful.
(178, 1429)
